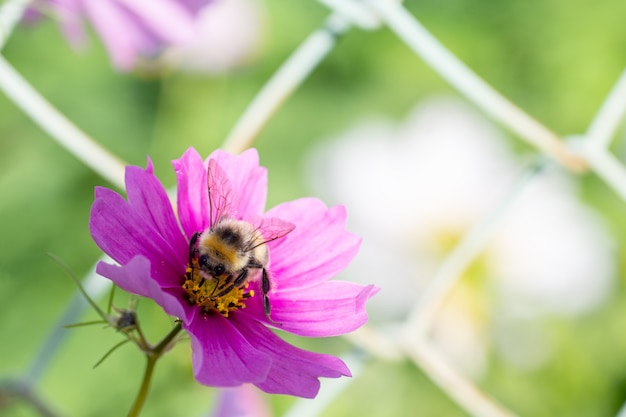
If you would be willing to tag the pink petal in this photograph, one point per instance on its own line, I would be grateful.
(194, 6)
(130, 28)
(247, 179)
(316, 250)
(69, 13)
(193, 198)
(135, 278)
(237, 188)
(293, 371)
(222, 356)
(119, 32)
(149, 199)
(169, 21)
(122, 234)
(329, 309)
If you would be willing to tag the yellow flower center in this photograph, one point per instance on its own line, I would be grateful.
(214, 293)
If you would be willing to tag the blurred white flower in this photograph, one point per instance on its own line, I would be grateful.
(413, 190)
(552, 254)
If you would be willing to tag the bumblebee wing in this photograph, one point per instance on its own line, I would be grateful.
(219, 192)
(271, 228)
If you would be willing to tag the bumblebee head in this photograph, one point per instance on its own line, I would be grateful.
(219, 256)
(212, 264)
(225, 248)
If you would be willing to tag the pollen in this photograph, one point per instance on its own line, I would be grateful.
(217, 294)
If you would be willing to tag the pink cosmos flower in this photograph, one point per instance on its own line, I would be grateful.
(226, 319)
(128, 28)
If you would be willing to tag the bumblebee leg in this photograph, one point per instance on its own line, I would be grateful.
(224, 292)
(220, 287)
(265, 287)
(241, 278)
(193, 251)
(192, 246)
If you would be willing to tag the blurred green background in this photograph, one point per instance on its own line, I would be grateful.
(557, 59)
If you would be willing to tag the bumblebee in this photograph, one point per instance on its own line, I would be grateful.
(228, 253)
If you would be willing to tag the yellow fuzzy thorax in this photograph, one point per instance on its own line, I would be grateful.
(231, 254)
(212, 294)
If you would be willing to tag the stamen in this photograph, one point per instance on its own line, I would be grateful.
(213, 294)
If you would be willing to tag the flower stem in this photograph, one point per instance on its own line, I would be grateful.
(145, 386)
(164, 343)
(152, 356)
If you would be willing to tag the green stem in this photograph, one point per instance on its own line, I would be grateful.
(145, 386)
(159, 348)
(152, 357)
(142, 342)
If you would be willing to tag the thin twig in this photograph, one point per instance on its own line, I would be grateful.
(110, 351)
(111, 298)
(609, 116)
(94, 285)
(85, 323)
(282, 84)
(449, 67)
(59, 127)
(74, 278)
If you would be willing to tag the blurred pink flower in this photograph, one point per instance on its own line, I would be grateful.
(243, 401)
(227, 34)
(230, 341)
(128, 28)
